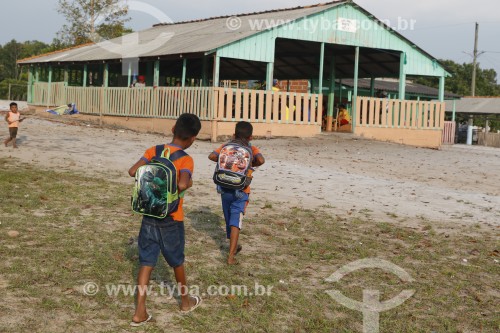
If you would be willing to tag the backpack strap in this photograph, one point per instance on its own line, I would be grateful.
(159, 150)
(177, 155)
(173, 157)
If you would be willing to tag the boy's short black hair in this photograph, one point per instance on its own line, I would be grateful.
(187, 126)
(244, 130)
(13, 104)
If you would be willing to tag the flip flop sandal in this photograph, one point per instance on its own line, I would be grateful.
(134, 324)
(197, 304)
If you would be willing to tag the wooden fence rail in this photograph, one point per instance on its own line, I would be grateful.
(391, 113)
(208, 103)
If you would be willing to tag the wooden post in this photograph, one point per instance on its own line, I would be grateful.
(321, 68)
(204, 76)
(30, 84)
(372, 86)
(101, 105)
(402, 76)
(441, 88)
(184, 70)
(85, 75)
(355, 99)
(269, 76)
(216, 71)
(156, 76)
(105, 76)
(49, 87)
(331, 97)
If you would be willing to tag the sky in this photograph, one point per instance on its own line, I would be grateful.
(443, 28)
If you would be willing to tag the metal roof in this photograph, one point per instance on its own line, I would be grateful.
(476, 105)
(180, 38)
(393, 86)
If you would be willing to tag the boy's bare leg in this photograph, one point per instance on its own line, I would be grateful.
(233, 245)
(142, 285)
(14, 144)
(6, 142)
(180, 276)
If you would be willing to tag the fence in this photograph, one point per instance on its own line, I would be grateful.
(378, 112)
(488, 139)
(49, 94)
(449, 132)
(268, 106)
(208, 103)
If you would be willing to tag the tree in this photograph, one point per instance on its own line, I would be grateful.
(461, 80)
(92, 20)
(10, 54)
(13, 51)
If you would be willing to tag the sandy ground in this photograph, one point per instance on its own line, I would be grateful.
(337, 172)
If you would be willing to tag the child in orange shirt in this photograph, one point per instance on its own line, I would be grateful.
(167, 235)
(13, 118)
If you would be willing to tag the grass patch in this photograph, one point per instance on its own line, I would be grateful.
(75, 229)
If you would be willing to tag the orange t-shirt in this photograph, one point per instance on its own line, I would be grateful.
(255, 153)
(183, 164)
(13, 119)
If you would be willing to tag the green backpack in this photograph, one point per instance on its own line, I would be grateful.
(155, 192)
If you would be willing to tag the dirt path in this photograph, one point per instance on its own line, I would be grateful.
(379, 181)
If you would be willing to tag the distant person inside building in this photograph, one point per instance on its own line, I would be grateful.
(140, 83)
(344, 117)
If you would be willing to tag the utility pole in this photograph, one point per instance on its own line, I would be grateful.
(473, 88)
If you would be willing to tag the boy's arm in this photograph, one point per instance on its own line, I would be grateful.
(136, 166)
(185, 181)
(258, 160)
(213, 157)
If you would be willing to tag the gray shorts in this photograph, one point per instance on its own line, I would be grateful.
(13, 132)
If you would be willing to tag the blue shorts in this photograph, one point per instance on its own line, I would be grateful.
(233, 207)
(165, 235)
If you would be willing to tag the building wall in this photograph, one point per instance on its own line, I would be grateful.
(411, 137)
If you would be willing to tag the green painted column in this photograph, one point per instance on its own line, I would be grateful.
(454, 110)
(269, 76)
(216, 71)
(105, 76)
(30, 84)
(184, 71)
(372, 87)
(402, 76)
(49, 91)
(37, 74)
(340, 91)
(85, 75)
(129, 74)
(156, 75)
(441, 88)
(66, 75)
(321, 68)
(355, 99)
(331, 97)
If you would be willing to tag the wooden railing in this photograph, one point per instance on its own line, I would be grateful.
(268, 106)
(488, 139)
(143, 102)
(208, 103)
(49, 94)
(449, 132)
(379, 112)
